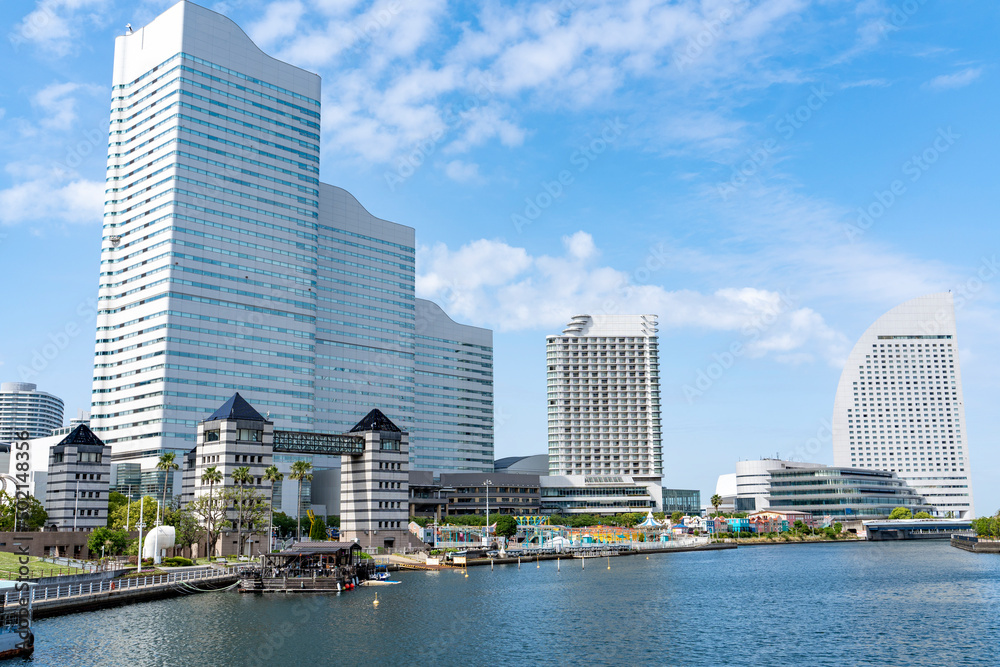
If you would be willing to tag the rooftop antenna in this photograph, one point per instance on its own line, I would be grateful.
(128, 28)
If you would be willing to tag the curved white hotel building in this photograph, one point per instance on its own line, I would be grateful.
(899, 405)
(24, 408)
(604, 398)
(228, 266)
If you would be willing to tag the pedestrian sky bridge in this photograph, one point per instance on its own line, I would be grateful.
(301, 442)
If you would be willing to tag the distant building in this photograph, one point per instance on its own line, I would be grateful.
(537, 464)
(682, 500)
(900, 406)
(843, 494)
(753, 479)
(725, 488)
(604, 399)
(78, 483)
(25, 409)
(597, 494)
(516, 494)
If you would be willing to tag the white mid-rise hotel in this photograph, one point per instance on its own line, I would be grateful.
(604, 398)
(899, 405)
(228, 266)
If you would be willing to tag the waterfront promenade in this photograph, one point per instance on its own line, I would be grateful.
(67, 598)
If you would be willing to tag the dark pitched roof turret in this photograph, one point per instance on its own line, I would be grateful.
(375, 421)
(236, 408)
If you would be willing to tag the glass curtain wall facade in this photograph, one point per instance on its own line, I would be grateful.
(900, 407)
(226, 265)
(842, 493)
(452, 429)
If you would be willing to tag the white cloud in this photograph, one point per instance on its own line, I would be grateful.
(55, 25)
(49, 197)
(58, 101)
(491, 283)
(279, 21)
(463, 172)
(396, 80)
(956, 80)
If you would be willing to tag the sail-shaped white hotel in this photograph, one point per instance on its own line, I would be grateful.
(899, 405)
(228, 266)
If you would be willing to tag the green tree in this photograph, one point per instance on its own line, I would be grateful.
(166, 465)
(130, 513)
(838, 527)
(207, 511)
(241, 477)
(922, 515)
(115, 500)
(676, 517)
(211, 513)
(271, 475)
(249, 506)
(187, 530)
(35, 515)
(317, 531)
(333, 520)
(901, 513)
(716, 501)
(506, 526)
(300, 473)
(114, 542)
(284, 525)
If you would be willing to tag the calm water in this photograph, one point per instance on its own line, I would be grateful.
(823, 604)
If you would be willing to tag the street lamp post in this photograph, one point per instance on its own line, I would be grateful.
(486, 532)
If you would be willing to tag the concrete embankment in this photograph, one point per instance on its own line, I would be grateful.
(569, 556)
(976, 545)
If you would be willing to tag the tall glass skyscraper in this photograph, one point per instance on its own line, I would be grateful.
(604, 398)
(227, 266)
(899, 405)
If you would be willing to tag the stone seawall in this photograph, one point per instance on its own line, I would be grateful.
(976, 545)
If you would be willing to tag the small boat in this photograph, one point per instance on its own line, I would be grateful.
(16, 638)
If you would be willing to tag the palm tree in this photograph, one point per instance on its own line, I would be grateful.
(300, 472)
(716, 501)
(211, 476)
(272, 475)
(167, 465)
(240, 477)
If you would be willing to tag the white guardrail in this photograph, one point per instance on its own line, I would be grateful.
(56, 591)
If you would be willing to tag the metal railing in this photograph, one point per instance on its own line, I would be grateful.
(57, 591)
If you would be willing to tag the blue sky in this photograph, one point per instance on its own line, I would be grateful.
(706, 161)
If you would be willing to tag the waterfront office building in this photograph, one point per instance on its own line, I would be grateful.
(24, 408)
(604, 398)
(842, 494)
(899, 405)
(227, 266)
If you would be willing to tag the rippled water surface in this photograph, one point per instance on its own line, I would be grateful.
(818, 604)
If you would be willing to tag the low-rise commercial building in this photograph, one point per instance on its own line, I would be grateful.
(842, 494)
(687, 501)
(515, 494)
(598, 494)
